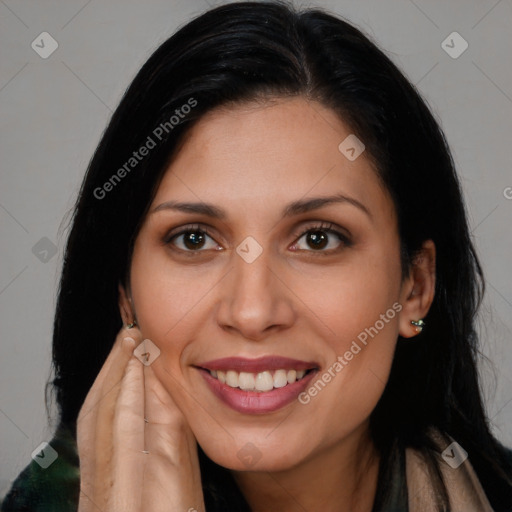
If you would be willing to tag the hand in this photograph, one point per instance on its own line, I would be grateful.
(112, 436)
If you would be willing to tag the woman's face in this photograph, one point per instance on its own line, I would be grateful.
(269, 279)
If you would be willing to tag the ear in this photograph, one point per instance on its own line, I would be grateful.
(418, 289)
(125, 306)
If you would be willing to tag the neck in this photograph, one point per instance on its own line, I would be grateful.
(341, 478)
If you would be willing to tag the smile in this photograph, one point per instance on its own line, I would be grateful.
(261, 382)
(257, 386)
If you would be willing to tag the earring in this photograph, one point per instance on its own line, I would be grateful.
(131, 325)
(419, 324)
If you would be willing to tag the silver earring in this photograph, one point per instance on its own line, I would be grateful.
(131, 325)
(419, 324)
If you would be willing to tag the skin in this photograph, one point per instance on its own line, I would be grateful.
(293, 300)
(116, 473)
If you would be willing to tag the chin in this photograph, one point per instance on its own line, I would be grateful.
(248, 457)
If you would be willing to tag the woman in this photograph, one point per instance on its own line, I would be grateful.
(269, 290)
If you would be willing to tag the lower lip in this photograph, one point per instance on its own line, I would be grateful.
(254, 402)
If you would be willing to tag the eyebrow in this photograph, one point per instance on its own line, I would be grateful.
(294, 208)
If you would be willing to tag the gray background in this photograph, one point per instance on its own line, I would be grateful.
(53, 111)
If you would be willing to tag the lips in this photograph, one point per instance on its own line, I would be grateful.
(257, 399)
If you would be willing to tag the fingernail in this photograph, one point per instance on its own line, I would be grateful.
(128, 343)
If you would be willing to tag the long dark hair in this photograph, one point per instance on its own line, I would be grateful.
(255, 50)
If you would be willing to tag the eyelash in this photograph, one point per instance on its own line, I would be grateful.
(327, 227)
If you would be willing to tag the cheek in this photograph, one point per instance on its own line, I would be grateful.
(347, 300)
(360, 311)
(344, 394)
(160, 292)
(346, 391)
(167, 299)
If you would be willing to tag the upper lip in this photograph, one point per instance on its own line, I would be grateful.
(242, 364)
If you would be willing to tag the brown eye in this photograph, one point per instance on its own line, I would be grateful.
(317, 239)
(190, 239)
(322, 237)
(193, 240)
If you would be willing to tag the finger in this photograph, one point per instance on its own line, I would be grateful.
(172, 469)
(166, 423)
(128, 442)
(105, 380)
(94, 432)
(159, 404)
(106, 408)
(167, 431)
(87, 434)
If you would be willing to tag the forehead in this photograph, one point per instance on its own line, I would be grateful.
(269, 154)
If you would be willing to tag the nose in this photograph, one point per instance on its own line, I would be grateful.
(256, 301)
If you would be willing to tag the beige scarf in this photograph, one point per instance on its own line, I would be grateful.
(464, 489)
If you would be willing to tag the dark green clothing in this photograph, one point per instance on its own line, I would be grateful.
(54, 489)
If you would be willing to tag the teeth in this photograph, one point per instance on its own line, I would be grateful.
(232, 378)
(280, 379)
(246, 380)
(262, 381)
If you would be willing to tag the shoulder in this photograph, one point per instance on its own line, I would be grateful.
(464, 489)
(52, 488)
